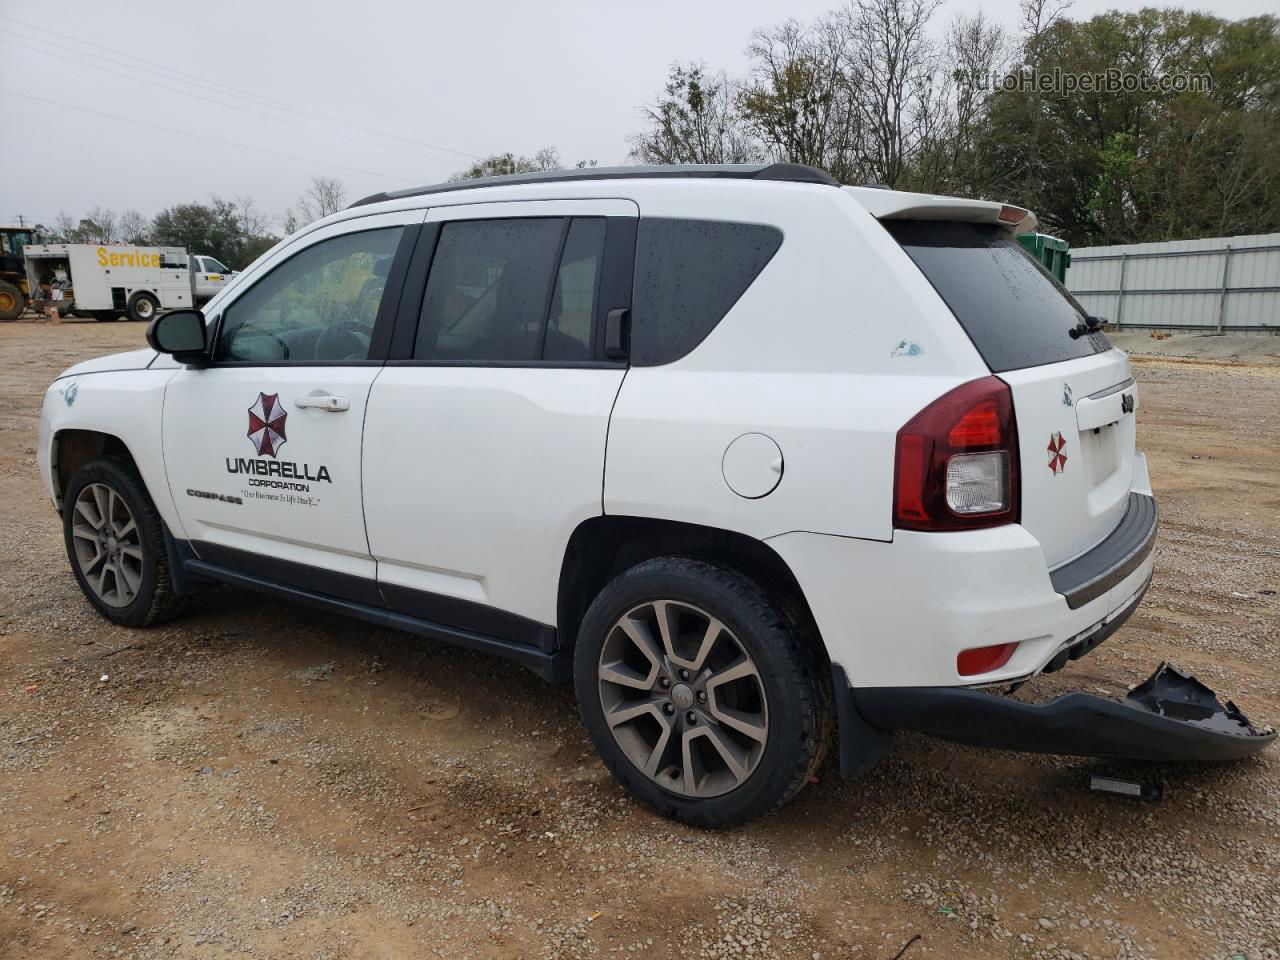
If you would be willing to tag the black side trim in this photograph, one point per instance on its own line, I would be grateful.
(1090, 576)
(415, 287)
(314, 580)
(554, 667)
(469, 616)
(789, 172)
(383, 325)
(615, 277)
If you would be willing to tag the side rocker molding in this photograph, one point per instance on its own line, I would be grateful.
(554, 667)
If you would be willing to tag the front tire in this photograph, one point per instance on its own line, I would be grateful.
(143, 307)
(115, 542)
(702, 698)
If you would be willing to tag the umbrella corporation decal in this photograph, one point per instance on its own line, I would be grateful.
(267, 473)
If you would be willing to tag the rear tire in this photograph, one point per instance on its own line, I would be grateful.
(729, 712)
(116, 545)
(12, 301)
(105, 316)
(143, 307)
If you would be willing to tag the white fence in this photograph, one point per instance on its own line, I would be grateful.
(1223, 284)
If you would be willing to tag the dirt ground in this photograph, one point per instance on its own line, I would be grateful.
(264, 780)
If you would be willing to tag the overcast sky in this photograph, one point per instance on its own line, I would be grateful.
(418, 88)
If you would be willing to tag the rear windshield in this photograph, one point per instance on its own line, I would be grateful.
(1016, 313)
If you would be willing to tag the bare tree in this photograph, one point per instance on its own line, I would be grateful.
(134, 227)
(251, 221)
(798, 99)
(976, 51)
(326, 195)
(695, 121)
(102, 224)
(64, 226)
(892, 63)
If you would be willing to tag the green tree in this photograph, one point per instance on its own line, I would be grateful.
(1149, 162)
(216, 229)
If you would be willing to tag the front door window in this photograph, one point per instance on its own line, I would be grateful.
(317, 307)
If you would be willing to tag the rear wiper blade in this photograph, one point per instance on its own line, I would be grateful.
(1085, 327)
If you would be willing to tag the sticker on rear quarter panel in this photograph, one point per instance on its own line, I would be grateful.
(1057, 459)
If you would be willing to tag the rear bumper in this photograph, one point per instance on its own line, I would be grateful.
(898, 614)
(1171, 717)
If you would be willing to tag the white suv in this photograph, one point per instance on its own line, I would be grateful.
(739, 451)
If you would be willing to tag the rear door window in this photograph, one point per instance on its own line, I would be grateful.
(488, 290)
(521, 290)
(1015, 312)
(689, 273)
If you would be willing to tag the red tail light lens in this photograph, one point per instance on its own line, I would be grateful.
(970, 663)
(956, 465)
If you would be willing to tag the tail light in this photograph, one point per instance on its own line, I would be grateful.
(956, 465)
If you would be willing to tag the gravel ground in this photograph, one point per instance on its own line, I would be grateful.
(264, 780)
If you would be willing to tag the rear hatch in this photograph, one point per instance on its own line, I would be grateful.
(1073, 396)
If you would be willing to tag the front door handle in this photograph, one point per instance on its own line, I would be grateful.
(326, 403)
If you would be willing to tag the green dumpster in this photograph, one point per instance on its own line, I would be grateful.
(1052, 252)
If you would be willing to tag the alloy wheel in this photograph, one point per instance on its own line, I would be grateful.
(108, 545)
(683, 699)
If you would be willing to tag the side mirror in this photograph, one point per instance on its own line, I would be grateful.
(180, 333)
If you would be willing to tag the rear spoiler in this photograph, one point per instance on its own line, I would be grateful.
(899, 205)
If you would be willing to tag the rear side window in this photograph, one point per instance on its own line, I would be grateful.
(1015, 312)
(688, 274)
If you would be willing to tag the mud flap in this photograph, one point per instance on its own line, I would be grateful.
(1169, 717)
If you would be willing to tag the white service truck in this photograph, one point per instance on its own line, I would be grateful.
(108, 280)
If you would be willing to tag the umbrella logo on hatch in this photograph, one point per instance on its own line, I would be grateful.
(1057, 459)
(266, 424)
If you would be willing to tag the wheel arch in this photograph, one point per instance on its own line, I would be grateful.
(602, 547)
(73, 447)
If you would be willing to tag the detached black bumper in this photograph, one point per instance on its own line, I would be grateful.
(1171, 717)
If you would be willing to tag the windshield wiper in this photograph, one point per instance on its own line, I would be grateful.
(1085, 327)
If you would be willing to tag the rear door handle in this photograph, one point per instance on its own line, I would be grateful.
(325, 403)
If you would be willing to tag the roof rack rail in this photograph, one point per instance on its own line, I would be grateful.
(789, 172)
